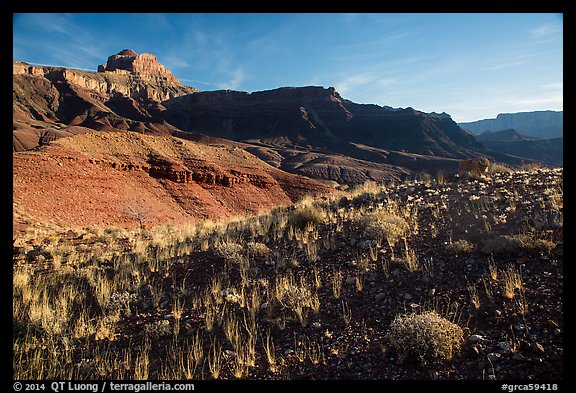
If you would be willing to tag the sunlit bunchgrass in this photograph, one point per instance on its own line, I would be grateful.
(74, 308)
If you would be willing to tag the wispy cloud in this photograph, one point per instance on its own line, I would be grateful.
(553, 99)
(157, 21)
(504, 65)
(174, 63)
(391, 39)
(545, 31)
(81, 49)
(210, 54)
(348, 83)
(238, 76)
(195, 82)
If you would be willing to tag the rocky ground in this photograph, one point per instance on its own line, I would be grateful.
(466, 237)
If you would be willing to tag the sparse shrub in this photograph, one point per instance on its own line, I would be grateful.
(424, 337)
(215, 359)
(293, 295)
(138, 212)
(492, 268)
(512, 281)
(461, 246)
(500, 168)
(270, 352)
(501, 244)
(20, 279)
(530, 167)
(476, 164)
(296, 296)
(474, 298)
(306, 214)
(346, 313)
(258, 249)
(410, 260)
(365, 194)
(120, 302)
(514, 244)
(547, 219)
(471, 176)
(382, 225)
(230, 251)
(424, 177)
(337, 284)
(158, 329)
(106, 328)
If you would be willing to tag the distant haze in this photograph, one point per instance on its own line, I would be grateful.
(541, 124)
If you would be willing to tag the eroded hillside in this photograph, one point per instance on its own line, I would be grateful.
(126, 179)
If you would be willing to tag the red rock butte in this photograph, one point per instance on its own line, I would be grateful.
(145, 65)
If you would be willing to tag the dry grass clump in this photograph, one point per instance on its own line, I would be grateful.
(297, 296)
(514, 244)
(461, 246)
(424, 337)
(512, 281)
(258, 249)
(248, 283)
(230, 251)
(530, 167)
(383, 225)
(305, 214)
(500, 168)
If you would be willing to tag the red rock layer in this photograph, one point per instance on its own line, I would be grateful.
(97, 179)
(145, 65)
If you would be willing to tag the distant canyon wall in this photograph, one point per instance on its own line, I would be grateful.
(541, 124)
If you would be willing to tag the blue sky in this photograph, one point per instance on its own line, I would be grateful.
(472, 66)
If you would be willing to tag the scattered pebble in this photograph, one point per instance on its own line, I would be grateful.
(475, 338)
(504, 347)
(493, 356)
(379, 296)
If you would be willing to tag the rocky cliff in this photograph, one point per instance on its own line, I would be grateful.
(146, 65)
(541, 124)
(317, 117)
(51, 102)
(548, 151)
(107, 84)
(310, 131)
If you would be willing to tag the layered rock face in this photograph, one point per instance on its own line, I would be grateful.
(51, 102)
(159, 86)
(317, 117)
(95, 178)
(145, 65)
(310, 131)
